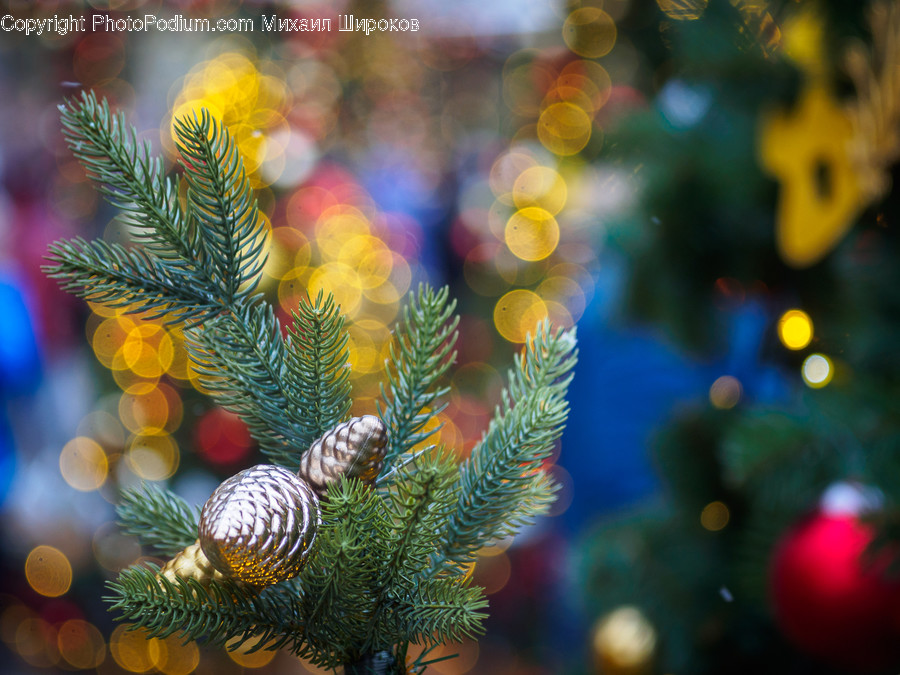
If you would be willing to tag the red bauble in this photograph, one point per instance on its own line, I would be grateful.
(827, 601)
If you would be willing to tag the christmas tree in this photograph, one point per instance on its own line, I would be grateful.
(358, 538)
(766, 244)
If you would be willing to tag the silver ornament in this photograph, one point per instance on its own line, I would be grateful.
(259, 525)
(355, 448)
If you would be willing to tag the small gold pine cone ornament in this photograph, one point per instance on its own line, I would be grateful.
(259, 525)
(355, 449)
(191, 563)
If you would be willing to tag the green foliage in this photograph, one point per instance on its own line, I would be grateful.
(501, 485)
(240, 359)
(159, 518)
(386, 569)
(222, 612)
(221, 203)
(420, 355)
(318, 373)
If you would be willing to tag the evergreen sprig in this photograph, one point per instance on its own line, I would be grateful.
(221, 204)
(134, 181)
(317, 371)
(159, 518)
(341, 579)
(127, 278)
(240, 358)
(218, 613)
(386, 569)
(501, 485)
(419, 356)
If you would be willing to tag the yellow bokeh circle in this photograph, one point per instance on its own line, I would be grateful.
(153, 457)
(795, 329)
(564, 128)
(48, 571)
(540, 186)
(532, 233)
(517, 313)
(133, 650)
(590, 32)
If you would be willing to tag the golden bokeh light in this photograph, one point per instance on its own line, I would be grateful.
(795, 329)
(175, 658)
(725, 392)
(153, 457)
(133, 650)
(83, 464)
(590, 32)
(144, 408)
(624, 641)
(532, 233)
(715, 516)
(817, 371)
(564, 128)
(81, 644)
(542, 187)
(506, 170)
(249, 659)
(517, 314)
(48, 571)
(35, 642)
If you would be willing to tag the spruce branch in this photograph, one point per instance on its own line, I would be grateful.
(127, 278)
(159, 518)
(317, 373)
(222, 205)
(442, 610)
(340, 581)
(500, 485)
(221, 613)
(419, 356)
(240, 359)
(419, 504)
(132, 180)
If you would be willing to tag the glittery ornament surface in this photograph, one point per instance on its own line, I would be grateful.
(191, 563)
(354, 449)
(259, 525)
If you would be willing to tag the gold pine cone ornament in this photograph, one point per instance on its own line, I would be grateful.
(259, 525)
(355, 449)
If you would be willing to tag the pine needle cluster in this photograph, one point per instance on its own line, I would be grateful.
(391, 564)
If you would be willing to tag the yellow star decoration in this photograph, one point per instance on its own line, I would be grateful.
(808, 150)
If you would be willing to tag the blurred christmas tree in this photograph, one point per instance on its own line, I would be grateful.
(765, 160)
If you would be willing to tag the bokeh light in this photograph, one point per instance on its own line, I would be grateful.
(81, 644)
(795, 329)
(244, 657)
(817, 371)
(715, 516)
(133, 650)
(517, 314)
(532, 233)
(175, 657)
(590, 32)
(564, 129)
(83, 464)
(48, 571)
(725, 392)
